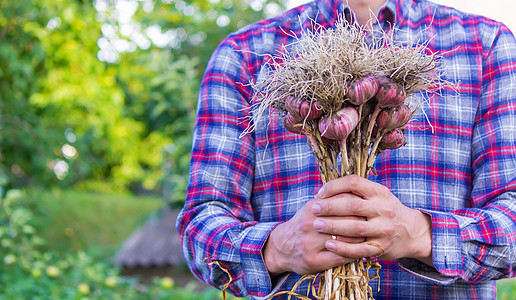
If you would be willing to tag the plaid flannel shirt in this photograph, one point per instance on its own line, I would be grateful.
(459, 165)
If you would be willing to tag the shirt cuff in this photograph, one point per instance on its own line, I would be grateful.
(257, 279)
(446, 251)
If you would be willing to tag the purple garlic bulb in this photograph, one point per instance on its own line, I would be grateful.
(293, 125)
(393, 139)
(339, 125)
(395, 117)
(303, 110)
(362, 89)
(390, 93)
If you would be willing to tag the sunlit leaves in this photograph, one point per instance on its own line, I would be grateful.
(23, 140)
(102, 93)
(180, 25)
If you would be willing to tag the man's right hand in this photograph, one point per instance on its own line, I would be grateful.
(295, 246)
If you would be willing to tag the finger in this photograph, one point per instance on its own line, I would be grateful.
(347, 228)
(346, 205)
(325, 260)
(365, 249)
(350, 184)
(346, 239)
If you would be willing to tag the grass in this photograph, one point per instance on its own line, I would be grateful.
(98, 223)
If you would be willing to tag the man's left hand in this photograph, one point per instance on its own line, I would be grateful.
(389, 228)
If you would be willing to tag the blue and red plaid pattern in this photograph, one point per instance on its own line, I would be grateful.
(459, 164)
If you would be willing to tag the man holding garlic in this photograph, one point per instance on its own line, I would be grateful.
(441, 211)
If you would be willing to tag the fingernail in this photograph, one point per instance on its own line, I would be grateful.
(320, 193)
(319, 224)
(316, 209)
(331, 245)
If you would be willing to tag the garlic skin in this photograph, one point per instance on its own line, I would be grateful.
(303, 110)
(339, 125)
(362, 90)
(393, 139)
(390, 93)
(293, 125)
(395, 117)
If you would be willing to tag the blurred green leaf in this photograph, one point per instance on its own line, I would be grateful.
(75, 75)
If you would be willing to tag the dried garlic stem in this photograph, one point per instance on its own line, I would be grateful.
(344, 170)
(367, 139)
(373, 153)
(328, 275)
(336, 285)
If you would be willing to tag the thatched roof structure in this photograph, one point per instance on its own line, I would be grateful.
(155, 244)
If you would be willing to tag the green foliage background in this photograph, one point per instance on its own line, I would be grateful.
(74, 78)
(97, 102)
(30, 268)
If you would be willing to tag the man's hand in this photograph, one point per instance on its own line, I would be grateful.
(296, 246)
(398, 230)
(367, 219)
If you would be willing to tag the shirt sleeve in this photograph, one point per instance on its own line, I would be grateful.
(221, 241)
(479, 243)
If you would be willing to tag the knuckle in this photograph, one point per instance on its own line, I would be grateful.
(353, 179)
(310, 260)
(332, 227)
(389, 212)
(360, 229)
(327, 208)
(379, 190)
(356, 206)
(383, 189)
(306, 224)
(389, 230)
